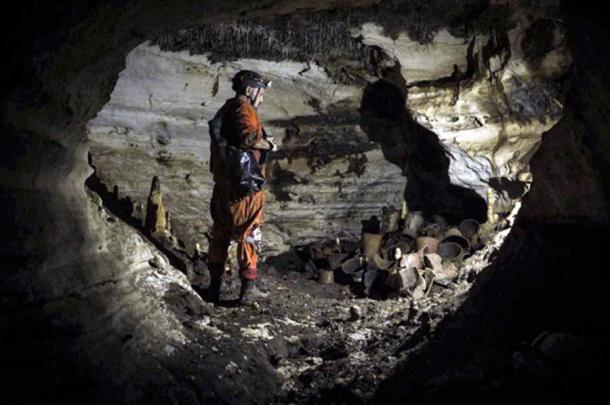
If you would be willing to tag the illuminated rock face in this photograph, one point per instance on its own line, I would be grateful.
(327, 177)
(487, 98)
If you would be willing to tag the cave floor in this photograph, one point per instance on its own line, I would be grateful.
(325, 343)
(307, 342)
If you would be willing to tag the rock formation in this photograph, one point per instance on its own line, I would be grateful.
(155, 222)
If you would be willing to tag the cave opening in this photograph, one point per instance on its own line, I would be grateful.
(141, 317)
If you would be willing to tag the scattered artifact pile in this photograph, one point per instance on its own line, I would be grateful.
(404, 255)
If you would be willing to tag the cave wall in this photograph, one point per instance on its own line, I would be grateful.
(571, 166)
(327, 177)
(476, 103)
(488, 97)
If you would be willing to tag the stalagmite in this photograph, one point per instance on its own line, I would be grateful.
(155, 223)
(168, 222)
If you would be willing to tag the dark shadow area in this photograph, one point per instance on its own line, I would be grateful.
(513, 188)
(418, 151)
(300, 272)
(535, 284)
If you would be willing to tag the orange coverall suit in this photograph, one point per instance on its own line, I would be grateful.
(234, 216)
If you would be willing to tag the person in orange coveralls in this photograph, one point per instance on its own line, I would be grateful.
(238, 215)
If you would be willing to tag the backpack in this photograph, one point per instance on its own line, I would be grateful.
(239, 165)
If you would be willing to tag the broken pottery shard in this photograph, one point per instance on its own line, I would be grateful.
(412, 260)
(434, 261)
(461, 241)
(335, 259)
(349, 247)
(316, 251)
(352, 265)
(451, 252)
(370, 243)
(415, 220)
(429, 243)
(433, 231)
(404, 246)
(369, 278)
(155, 222)
(394, 281)
(440, 221)
(408, 278)
(447, 273)
(407, 242)
(453, 231)
(326, 277)
(475, 242)
(469, 227)
(358, 276)
(381, 263)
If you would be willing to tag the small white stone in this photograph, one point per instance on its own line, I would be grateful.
(232, 367)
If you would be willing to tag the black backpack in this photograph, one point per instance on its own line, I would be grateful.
(239, 164)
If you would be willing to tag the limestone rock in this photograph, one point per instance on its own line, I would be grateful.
(489, 123)
(156, 219)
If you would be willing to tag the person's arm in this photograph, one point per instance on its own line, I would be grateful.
(249, 130)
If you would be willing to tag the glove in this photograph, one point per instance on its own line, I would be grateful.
(265, 144)
(272, 144)
(269, 139)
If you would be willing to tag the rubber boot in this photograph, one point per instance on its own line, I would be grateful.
(250, 292)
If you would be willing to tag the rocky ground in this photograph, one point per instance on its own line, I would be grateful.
(326, 343)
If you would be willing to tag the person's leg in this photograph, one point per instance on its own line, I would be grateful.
(217, 256)
(247, 257)
(220, 238)
(247, 213)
